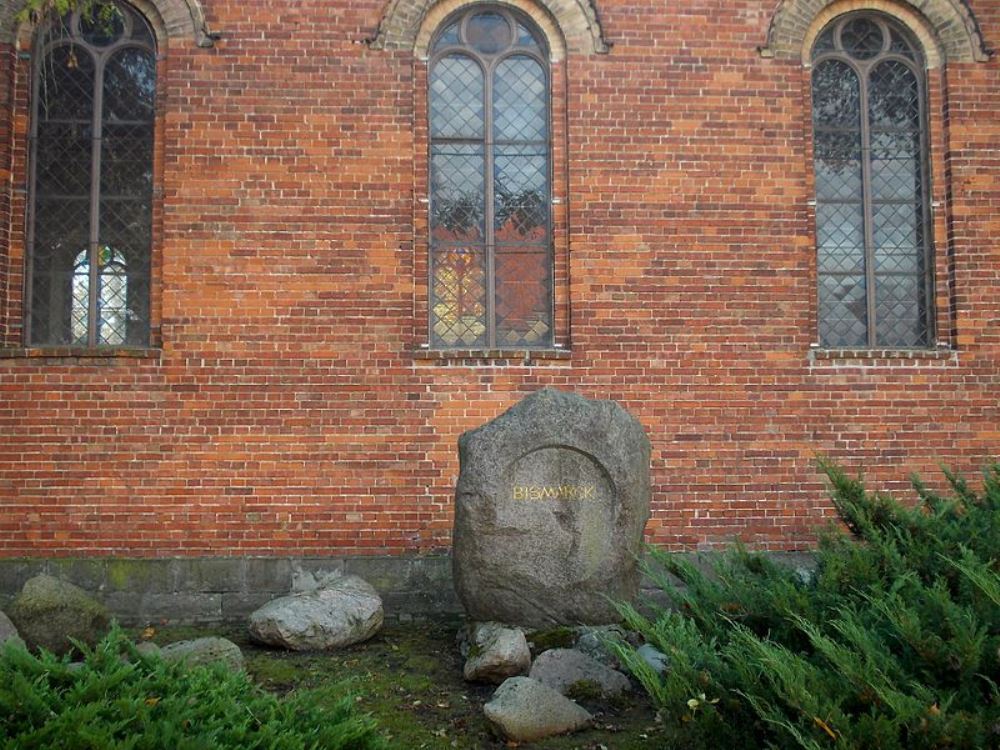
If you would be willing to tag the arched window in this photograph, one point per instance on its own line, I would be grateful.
(490, 227)
(872, 228)
(90, 226)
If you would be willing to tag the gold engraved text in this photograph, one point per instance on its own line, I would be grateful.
(555, 492)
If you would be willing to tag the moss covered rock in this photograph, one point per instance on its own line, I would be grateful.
(49, 612)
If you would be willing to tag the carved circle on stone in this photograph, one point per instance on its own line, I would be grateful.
(551, 502)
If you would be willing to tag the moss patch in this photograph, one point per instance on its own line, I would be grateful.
(543, 640)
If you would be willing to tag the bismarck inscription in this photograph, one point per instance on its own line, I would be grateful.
(551, 502)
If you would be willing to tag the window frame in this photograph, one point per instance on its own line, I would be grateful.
(42, 46)
(488, 64)
(930, 321)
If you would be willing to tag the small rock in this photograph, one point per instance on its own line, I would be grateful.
(563, 669)
(48, 612)
(148, 648)
(654, 658)
(8, 632)
(591, 642)
(204, 651)
(495, 653)
(525, 710)
(346, 610)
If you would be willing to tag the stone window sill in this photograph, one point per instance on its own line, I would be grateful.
(492, 357)
(942, 356)
(79, 352)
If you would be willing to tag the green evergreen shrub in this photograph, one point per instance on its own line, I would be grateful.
(892, 642)
(119, 699)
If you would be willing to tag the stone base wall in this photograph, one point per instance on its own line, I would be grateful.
(208, 590)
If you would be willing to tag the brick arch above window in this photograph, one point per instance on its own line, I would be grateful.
(568, 24)
(180, 19)
(947, 29)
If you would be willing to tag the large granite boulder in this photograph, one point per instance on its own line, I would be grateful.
(343, 611)
(49, 611)
(552, 499)
(525, 710)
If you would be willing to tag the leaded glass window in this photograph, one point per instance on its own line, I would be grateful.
(872, 229)
(90, 228)
(490, 227)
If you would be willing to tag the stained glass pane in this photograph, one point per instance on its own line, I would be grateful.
(900, 46)
(823, 44)
(127, 160)
(129, 86)
(456, 98)
(862, 38)
(63, 159)
(488, 33)
(525, 38)
(520, 99)
(838, 165)
(457, 193)
(458, 297)
(836, 95)
(523, 316)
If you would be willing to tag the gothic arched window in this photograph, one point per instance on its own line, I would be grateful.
(490, 227)
(872, 228)
(90, 228)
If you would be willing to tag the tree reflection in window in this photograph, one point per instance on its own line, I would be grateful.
(490, 236)
(870, 161)
(90, 228)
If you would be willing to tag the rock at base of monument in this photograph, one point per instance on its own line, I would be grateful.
(203, 651)
(49, 612)
(494, 653)
(566, 669)
(345, 611)
(525, 710)
(551, 502)
(8, 633)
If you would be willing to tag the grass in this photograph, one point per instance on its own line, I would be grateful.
(409, 677)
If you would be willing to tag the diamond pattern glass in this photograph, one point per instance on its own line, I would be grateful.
(457, 193)
(870, 203)
(894, 97)
(66, 90)
(458, 297)
(129, 86)
(522, 296)
(456, 98)
(72, 182)
(520, 97)
(491, 260)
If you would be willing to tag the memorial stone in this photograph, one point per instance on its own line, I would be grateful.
(551, 502)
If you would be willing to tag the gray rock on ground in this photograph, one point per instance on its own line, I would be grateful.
(525, 710)
(49, 611)
(343, 611)
(550, 505)
(8, 632)
(204, 651)
(495, 652)
(564, 669)
(656, 659)
(592, 641)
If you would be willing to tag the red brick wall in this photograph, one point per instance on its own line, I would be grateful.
(288, 408)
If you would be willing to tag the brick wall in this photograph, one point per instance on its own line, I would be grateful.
(288, 408)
